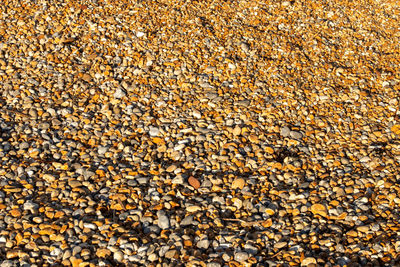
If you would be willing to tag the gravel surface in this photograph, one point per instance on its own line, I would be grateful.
(199, 133)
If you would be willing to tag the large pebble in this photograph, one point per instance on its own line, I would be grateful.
(241, 256)
(163, 220)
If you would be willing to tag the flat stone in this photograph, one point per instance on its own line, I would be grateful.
(163, 220)
(319, 209)
(170, 254)
(280, 245)
(29, 205)
(153, 131)
(193, 208)
(238, 183)
(203, 244)
(296, 135)
(74, 183)
(241, 256)
(119, 93)
(194, 182)
(143, 180)
(285, 131)
(118, 256)
(196, 114)
(102, 150)
(307, 261)
(188, 220)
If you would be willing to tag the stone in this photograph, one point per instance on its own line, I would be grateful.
(31, 206)
(153, 131)
(152, 257)
(395, 129)
(102, 150)
(188, 220)
(203, 244)
(170, 254)
(118, 256)
(295, 135)
(280, 245)
(193, 208)
(74, 183)
(237, 131)
(140, 34)
(238, 183)
(163, 220)
(285, 131)
(103, 252)
(119, 93)
(194, 182)
(196, 114)
(171, 168)
(307, 261)
(319, 209)
(241, 256)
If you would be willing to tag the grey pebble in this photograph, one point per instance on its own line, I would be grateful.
(23, 145)
(143, 180)
(163, 220)
(8, 263)
(295, 135)
(285, 131)
(241, 256)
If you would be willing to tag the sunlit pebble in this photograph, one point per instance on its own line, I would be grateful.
(140, 34)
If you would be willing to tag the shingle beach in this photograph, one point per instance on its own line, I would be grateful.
(199, 133)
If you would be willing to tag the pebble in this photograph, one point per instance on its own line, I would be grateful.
(194, 182)
(295, 135)
(170, 254)
(241, 256)
(7, 263)
(238, 183)
(102, 150)
(280, 245)
(188, 220)
(31, 206)
(163, 220)
(118, 256)
(196, 114)
(319, 209)
(285, 131)
(119, 93)
(203, 244)
(154, 131)
(308, 261)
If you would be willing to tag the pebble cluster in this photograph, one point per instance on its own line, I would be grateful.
(199, 133)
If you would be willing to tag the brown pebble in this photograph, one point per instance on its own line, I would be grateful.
(15, 213)
(194, 182)
(103, 253)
